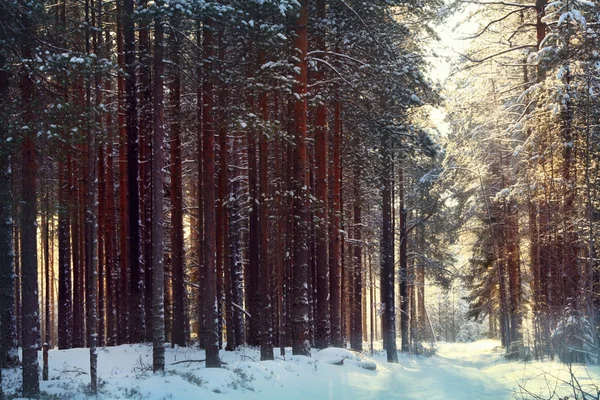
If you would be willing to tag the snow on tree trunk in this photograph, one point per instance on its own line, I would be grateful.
(8, 322)
(334, 230)
(177, 259)
(91, 226)
(323, 327)
(300, 299)
(158, 161)
(266, 320)
(387, 256)
(210, 288)
(136, 284)
(29, 267)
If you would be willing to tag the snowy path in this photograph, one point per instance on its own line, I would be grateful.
(458, 371)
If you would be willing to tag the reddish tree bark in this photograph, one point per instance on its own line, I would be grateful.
(123, 295)
(404, 297)
(111, 241)
(235, 249)
(334, 229)
(145, 112)
(212, 329)
(300, 299)
(29, 267)
(356, 336)
(387, 255)
(65, 305)
(78, 339)
(252, 272)
(178, 336)
(136, 284)
(158, 161)
(8, 325)
(266, 322)
(224, 289)
(322, 318)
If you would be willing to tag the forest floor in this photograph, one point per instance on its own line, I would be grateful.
(465, 371)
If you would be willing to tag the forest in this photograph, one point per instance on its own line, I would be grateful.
(230, 175)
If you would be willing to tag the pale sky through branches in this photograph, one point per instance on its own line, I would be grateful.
(446, 52)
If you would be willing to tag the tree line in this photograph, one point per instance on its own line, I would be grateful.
(223, 173)
(528, 112)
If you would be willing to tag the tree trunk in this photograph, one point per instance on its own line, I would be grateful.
(145, 136)
(266, 321)
(77, 329)
(178, 336)
(158, 161)
(98, 47)
(123, 309)
(356, 338)
(235, 249)
(65, 305)
(111, 241)
(387, 256)
(221, 195)
(91, 221)
(223, 248)
(8, 325)
(404, 295)
(300, 303)
(136, 285)
(323, 329)
(334, 229)
(253, 296)
(210, 289)
(29, 267)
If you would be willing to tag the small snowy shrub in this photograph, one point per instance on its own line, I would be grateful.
(470, 331)
(573, 339)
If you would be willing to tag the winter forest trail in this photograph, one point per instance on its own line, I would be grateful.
(460, 371)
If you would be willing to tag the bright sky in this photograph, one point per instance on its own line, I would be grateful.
(446, 53)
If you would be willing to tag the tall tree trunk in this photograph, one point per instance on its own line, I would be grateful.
(45, 236)
(300, 303)
(178, 336)
(8, 324)
(16, 188)
(29, 267)
(98, 47)
(65, 305)
(136, 285)
(280, 232)
(266, 321)
(77, 330)
(158, 161)
(211, 304)
(235, 248)
(387, 256)
(123, 309)
(201, 137)
(222, 204)
(91, 220)
(420, 282)
(404, 295)
(323, 329)
(334, 229)
(145, 122)
(253, 296)
(356, 338)
(111, 240)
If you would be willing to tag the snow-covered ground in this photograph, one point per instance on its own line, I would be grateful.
(458, 371)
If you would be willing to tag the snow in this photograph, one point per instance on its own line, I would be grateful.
(458, 371)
